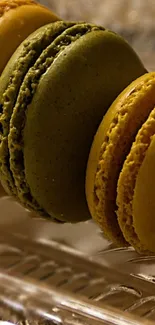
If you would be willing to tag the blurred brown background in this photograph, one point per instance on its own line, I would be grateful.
(134, 19)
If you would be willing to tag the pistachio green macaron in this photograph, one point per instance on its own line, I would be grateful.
(53, 94)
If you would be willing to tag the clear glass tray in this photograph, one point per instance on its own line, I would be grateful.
(70, 274)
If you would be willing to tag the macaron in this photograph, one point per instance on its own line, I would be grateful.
(136, 184)
(53, 94)
(18, 19)
(117, 183)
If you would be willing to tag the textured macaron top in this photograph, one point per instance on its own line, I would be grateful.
(6, 5)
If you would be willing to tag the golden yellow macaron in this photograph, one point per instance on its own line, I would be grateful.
(18, 19)
(113, 164)
(136, 184)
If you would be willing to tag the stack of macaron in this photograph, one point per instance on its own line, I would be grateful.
(77, 124)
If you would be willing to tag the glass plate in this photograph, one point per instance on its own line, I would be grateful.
(70, 274)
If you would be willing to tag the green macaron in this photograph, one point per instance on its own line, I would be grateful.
(53, 94)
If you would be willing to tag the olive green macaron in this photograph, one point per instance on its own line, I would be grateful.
(53, 94)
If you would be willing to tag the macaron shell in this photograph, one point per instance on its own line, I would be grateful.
(52, 42)
(109, 226)
(36, 36)
(95, 151)
(6, 5)
(144, 200)
(75, 93)
(12, 71)
(128, 175)
(16, 24)
(10, 82)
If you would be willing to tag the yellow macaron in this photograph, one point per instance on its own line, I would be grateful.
(18, 19)
(136, 184)
(113, 189)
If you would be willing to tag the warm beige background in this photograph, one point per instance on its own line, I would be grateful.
(133, 18)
